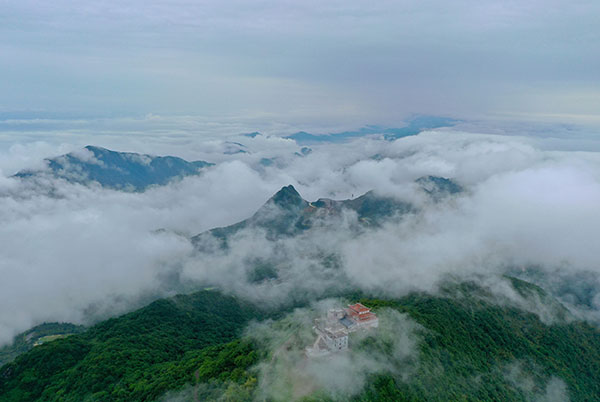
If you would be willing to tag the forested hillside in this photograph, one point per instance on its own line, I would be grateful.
(35, 336)
(468, 349)
(118, 358)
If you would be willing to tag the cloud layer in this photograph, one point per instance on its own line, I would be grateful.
(76, 253)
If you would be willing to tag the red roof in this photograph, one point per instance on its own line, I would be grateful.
(367, 317)
(359, 308)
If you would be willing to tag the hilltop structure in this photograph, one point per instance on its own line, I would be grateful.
(333, 330)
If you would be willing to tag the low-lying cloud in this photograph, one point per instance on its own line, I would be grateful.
(71, 252)
(287, 374)
(528, 379)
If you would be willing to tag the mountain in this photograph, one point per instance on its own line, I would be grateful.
(469, 347)
(414, 126)
(36, 336)
(288, 214)
(120, 359)
(117, 170)
(438, 187)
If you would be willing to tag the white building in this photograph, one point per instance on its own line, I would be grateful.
(333, 330)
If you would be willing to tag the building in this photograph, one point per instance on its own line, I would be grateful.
(362, 316)
(333, 330)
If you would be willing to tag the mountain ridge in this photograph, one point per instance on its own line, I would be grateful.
(126, 171)
(287, 213)
(414, 126)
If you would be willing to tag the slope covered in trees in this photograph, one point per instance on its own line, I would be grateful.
(35, 336)
(114, 359)
(470, 348)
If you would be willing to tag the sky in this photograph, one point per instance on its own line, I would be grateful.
(327, 63)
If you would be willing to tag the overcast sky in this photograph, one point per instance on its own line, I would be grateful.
(347, 61)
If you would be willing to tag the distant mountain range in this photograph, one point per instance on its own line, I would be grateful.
(117, 170)
(130, 171)
(414, 127)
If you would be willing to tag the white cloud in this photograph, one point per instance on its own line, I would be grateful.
(288, 375)
(68, 250)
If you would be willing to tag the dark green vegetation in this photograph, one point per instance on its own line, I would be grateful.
(118, 170)
(26, 340)
(192, 342)
(135, 357)
(468, 343)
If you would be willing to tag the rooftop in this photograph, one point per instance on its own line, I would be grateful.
(359, 308)
(367, 317)
(346, 322)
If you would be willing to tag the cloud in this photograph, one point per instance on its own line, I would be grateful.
(69, 251)
(287, 374)
(77, 253)
(537, 216)
(523, 207)
(527, 379)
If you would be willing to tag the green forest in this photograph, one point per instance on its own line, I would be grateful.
(196, 342)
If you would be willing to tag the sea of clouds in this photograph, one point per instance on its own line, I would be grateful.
(78, 253)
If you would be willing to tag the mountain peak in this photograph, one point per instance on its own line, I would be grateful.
(93, 147)
(438, 186)
(287, 197)
(96, 150)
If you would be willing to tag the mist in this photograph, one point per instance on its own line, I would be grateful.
(79, 253)
(289, 375)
